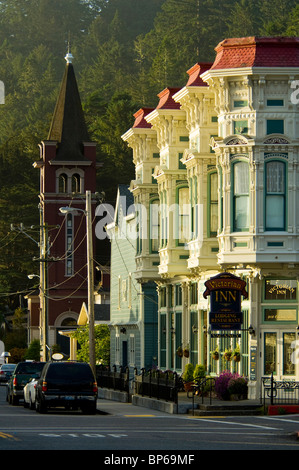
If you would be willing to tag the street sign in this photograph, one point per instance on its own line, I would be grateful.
(225, 291)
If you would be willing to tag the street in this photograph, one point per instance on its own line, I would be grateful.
(123, 427)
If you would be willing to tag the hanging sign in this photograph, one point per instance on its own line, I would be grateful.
(225, 292)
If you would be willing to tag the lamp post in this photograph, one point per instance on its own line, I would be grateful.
(90, 273)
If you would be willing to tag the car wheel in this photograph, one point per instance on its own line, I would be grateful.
(31, 404)
(40, 407)
(89, 410)
(15, 401)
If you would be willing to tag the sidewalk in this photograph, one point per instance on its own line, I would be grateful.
(112, 402)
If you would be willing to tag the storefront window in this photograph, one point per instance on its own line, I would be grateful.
(270, 353)
(280, 315)
(288, 364)
(278, 353)
(281, 289)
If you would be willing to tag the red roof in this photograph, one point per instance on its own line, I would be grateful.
(257, 52)
(166, 100)
(139, 118)
(195, 72)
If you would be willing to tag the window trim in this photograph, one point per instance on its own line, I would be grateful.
(210, 203)
(154, 202)
(233, 196)
(179, 242)
(270, 131)
(276, 229)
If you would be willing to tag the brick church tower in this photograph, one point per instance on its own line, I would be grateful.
(67, 170)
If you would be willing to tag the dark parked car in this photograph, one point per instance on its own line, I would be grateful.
(5, 372)
(68, 384)
(23, 373)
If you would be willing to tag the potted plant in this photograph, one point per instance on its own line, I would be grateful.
(228, 354)
(188, 376)
(179, 351)
(236, 354)
(215, 354)
(186, 351)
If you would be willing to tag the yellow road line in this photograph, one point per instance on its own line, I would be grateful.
(4, 435)
(139, 416)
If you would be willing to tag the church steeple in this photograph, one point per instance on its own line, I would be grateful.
(68, 125)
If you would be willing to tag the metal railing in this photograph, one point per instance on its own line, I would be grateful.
(203, 390)
(159, 385)
(107, 378)
(284, 392)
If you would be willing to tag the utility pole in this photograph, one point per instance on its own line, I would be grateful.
(43, 284)
(90, 273)
(43, 276)
(90, 276)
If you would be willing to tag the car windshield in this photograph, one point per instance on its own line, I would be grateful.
(8, 367)
(30, 367)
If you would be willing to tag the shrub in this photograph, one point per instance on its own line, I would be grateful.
(221, 385)
(199, 372)
(188, 373)
(238, 386)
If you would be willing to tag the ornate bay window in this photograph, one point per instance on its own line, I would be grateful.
(213, 203)
(154, 225)
(183, 216)
(240, 196)
(275, 197)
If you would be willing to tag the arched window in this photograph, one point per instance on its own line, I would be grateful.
(62, 183)
(69, 322)
(275, 195)
(240, 196)
(76, 183)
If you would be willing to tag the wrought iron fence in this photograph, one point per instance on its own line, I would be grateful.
(112, 379)
(202, 390)
(284, 392)
(158, 384)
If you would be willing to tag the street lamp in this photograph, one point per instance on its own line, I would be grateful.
(90, 274)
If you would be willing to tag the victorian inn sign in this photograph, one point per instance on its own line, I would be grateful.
(224, 150)
(225, 292)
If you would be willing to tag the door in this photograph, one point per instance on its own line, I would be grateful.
(125, 354)
(278, 354)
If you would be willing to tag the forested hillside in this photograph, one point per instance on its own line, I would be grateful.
(126, 52)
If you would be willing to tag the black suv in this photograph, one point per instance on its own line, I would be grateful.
(23, 373)
(68, 384)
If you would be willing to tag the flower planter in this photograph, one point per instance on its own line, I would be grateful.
(228, 357)
(179, 352)
(188, 386)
